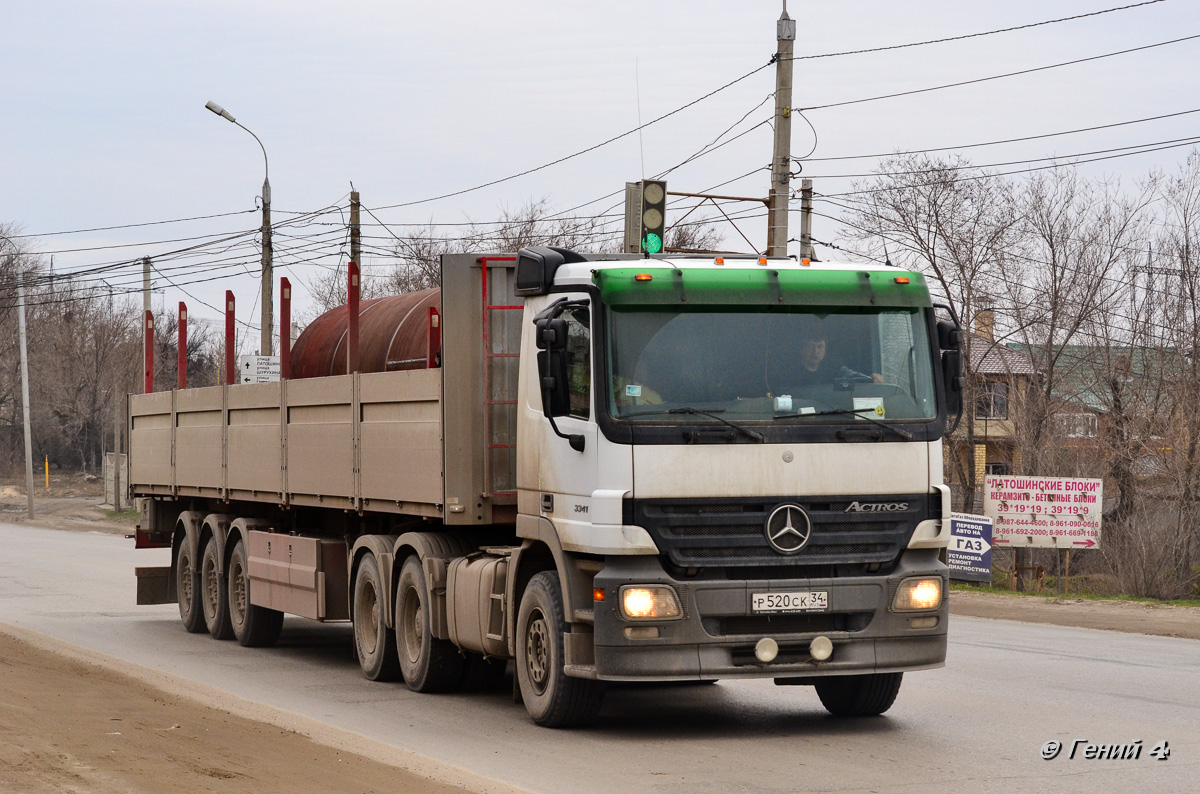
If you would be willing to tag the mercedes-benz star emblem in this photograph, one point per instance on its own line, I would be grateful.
(788, 529)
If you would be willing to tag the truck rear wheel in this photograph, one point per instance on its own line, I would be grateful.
(553, 699)
(187, 589)
(254, 626)
(214, 595)
(858, 695)
(428, 664)
(374, 642)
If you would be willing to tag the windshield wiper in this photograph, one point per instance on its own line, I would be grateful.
(860, 412)
(713, 414)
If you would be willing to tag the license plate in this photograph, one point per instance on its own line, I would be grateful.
(798, 601)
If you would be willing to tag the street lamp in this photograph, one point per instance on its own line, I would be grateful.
(268, 306)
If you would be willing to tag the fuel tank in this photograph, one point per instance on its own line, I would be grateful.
(393, 334)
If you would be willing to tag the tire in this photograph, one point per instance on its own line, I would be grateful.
(483, 674)
(374, 642)
(859, 695)
(214, 593)
(254, 626)
(552, 698)
(187, 589)
(428, 664)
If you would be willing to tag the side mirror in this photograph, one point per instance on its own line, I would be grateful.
(552, 375)
(952, 378)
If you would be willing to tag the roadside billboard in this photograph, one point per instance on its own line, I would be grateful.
(1044, 512)
(969, 555)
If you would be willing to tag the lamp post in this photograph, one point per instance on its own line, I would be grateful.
(268, 306)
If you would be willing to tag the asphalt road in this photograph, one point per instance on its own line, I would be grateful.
(977, 725)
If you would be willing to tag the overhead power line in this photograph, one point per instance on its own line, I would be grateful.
(970, 166)
(974, 35)
(998, 76)
(134, 225)
(865, 191)
(999, 142)
(581, 152)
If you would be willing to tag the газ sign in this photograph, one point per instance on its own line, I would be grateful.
(1051, 512)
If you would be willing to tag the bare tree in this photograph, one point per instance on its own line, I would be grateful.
(955, 226)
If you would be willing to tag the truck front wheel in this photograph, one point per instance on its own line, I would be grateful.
(553, 699)
(214, 595)
(254, 626)
(373, 640)
(428, 664)
(187, 589)
(858, 695)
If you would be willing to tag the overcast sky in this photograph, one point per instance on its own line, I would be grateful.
(104, 121)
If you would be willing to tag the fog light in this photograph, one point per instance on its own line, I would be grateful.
(923, 623)
(918, 594)
(650, 602)
(820, 649)
(641, 632)
(765, 650)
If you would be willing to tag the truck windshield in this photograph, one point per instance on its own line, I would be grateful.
(804, 365)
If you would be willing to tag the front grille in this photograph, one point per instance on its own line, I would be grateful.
(711, 533)
(711, 509)
(727, 529)
(772, 625)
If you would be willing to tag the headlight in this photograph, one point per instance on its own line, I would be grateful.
(918, 594)
(650, 602)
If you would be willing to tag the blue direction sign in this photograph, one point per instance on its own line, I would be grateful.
(970, 552)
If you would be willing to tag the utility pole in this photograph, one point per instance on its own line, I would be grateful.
(147, 338)
(355, 232)
(806, 247)
(268, 304)
(777, 214)
(25, 391)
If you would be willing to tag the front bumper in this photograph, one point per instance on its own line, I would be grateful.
(716, 635)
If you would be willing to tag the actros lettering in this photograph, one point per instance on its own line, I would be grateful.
(876, 507)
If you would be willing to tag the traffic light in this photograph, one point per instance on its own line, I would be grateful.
(654, 215)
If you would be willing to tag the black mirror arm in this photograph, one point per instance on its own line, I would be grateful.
(574, 439)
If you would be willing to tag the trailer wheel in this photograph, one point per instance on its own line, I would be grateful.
(428, 664)
(254, 626)
(373, 640)
(858, 695)
(214, 595)
(553, 699)
(187, 590)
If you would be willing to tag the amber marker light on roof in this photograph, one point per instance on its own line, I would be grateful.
(720, 260)
(806, 262)
(762, 260)
(643, 277)
(901, 279)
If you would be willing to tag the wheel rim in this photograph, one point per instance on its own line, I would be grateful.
(537, 652)
(212, 585)
(367, 617)
(413, 629)
(186, 575)
(237, 604)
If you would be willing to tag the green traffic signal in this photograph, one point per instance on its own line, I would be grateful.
(652, 244)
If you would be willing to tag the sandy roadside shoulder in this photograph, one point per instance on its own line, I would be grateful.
(76, 720)
(1134, 617)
